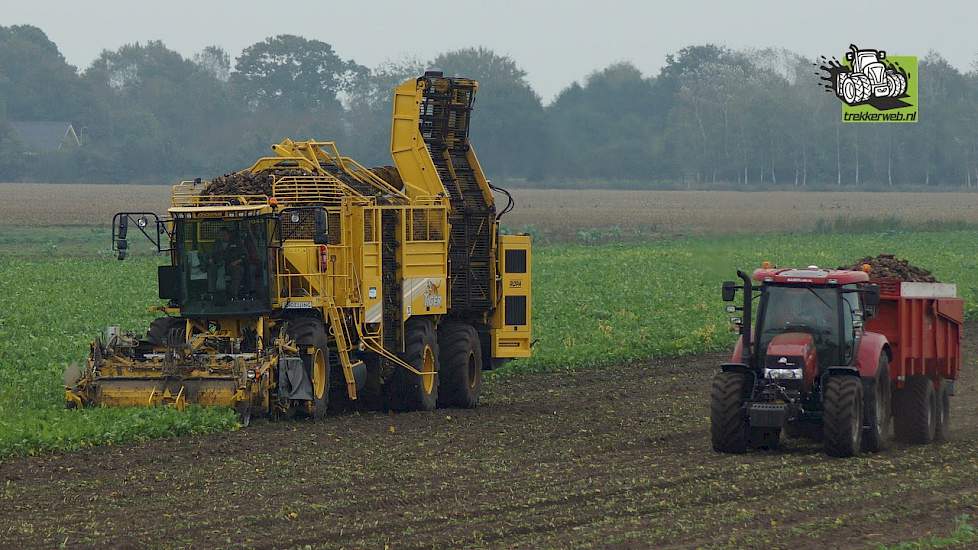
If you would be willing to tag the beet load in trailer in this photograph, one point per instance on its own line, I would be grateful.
(837, 355)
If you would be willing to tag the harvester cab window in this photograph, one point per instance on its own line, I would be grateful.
(224, 265)
(811, 310)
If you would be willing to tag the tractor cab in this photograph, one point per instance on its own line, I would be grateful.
(807, 321)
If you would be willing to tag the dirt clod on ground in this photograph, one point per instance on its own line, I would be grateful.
(888, 266)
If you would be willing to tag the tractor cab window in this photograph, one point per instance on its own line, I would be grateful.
(223, 265)
(811, 310)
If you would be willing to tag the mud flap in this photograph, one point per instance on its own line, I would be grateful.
(293, 382)
(767, 415)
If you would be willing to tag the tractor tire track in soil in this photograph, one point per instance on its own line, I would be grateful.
(607, 457)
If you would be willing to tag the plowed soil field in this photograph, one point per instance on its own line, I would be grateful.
(606, 457)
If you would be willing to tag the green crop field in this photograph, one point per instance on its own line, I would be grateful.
(593, 305)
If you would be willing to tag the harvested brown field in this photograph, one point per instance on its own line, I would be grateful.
(616, 457)
(561, 214)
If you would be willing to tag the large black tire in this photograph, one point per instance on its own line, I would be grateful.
(405, 390)
(165, 330)
(309, 332)
(944, 411)
(728, 424)
(915, 411)
(842, 419)
(877, 407)
(459, 365)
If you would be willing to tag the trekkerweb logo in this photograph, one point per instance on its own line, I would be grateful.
(872, 86)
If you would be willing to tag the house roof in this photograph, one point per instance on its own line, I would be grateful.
(41, 136)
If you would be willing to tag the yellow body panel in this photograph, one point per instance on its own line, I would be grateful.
(511, 322)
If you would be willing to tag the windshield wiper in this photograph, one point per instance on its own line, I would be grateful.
(820, 299)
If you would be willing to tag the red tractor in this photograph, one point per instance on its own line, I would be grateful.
(836, 356)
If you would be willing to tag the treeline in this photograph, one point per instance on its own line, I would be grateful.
(712, 117)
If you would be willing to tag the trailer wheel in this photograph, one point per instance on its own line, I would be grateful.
(915, 411)
(728, 425)
(460, 365)
(944, 411)
(309, 332)
(843, 415)
(877, 409)
(405, 390)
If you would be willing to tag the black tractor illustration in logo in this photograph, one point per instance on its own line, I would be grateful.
(868, 77)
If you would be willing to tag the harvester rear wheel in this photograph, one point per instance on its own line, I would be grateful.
(460, 365)
(915, 411)
(944, 411)
(728, 425)
(405, 390)
(309, 332)
(843, 415)
(877, 409)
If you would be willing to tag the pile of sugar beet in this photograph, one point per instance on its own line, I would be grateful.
(888, 266)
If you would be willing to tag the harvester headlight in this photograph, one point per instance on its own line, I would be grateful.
(295, 217)
(783, 374)
(731, 309)
(141, 221)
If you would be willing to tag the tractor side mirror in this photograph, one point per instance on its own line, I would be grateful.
(121, 244)
(729, 291)
(849, 56)
(322, 228)
(882, 54)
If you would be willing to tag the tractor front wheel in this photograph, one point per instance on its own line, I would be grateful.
(843, 415)
(728, 425)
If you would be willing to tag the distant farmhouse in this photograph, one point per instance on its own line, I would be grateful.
(44, 137)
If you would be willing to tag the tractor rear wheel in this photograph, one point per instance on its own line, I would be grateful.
(944, 411)
(915, 411)
(309, 334)
(460, 365)
(877, 409)
(843, 415)
(406, 390)
(728, 425)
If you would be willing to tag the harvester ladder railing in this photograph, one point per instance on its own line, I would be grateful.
(337, 327)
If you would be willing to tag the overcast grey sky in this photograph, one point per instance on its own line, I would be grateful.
(556, 42)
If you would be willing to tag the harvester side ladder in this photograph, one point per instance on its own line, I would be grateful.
(338, 329)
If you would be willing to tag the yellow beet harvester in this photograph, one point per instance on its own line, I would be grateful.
(308, 281)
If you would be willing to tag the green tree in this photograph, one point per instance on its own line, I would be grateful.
(508, 124)
(294, 72)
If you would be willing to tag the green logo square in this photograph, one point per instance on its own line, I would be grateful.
(874, 87)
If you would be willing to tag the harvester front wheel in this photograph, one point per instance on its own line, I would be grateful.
(843, 416)
(167, 330)
(460, 365)
(409, 391)
(915, 411)
(728, 425)
(310, 337)
(877, 407)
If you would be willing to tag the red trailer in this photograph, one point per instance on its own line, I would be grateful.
(839, 354)
(922, 323)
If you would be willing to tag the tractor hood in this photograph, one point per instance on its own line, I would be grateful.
(792, 351)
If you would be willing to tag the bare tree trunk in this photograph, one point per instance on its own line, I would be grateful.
(838, 157)
(857, 159)
(889, 161)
